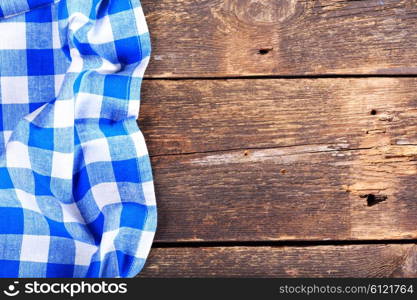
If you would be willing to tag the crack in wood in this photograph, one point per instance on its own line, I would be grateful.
(373, 199)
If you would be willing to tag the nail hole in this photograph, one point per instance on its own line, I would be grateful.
(372, 199)
(283, 171)
(373, 112)
(246, 153)
(264, 51)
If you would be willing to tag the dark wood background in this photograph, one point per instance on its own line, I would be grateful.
(283, 136)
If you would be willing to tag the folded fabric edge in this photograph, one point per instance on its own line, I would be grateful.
(39, 116)
(12, 8)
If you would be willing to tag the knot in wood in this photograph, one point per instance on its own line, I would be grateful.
(262, 12)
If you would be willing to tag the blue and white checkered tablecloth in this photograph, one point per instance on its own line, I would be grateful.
(76, 189)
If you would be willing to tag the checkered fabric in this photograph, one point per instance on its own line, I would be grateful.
(76, 190)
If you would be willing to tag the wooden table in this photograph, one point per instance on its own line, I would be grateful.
(283, 137)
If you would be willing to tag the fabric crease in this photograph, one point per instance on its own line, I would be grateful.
(76, 189)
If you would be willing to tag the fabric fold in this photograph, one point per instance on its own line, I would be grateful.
(76, 189)
(10, 8)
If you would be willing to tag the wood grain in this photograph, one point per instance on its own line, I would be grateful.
(189, 116)
(375, 260)
(294, 193)
(218, 38)
(283, 159)
(247, 160)
(408, 268)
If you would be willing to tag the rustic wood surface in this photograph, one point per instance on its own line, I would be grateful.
(187, 116)
(283, 159)
(206, 38)
(317, 261)
(246, 167)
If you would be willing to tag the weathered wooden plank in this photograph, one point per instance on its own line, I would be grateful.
(310, 156)
(212, 115)
(374, 260)
(289, 37)
(294, 193)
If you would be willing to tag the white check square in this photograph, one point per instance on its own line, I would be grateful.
(28, 201)
(58, 80)
(96, 151)
(84, 253)
(14, 90)
(140, 20)
(102, 32)
(88, 106)
(71, 213)
(105, 194)
(149, 193)
(145, 244)
(63, 113)
(56, 41)
(139, 142)
(77, 62)
(62, 165)
(13, 36)
(141, 68)
(35, 248)
(17, 155)
(133, 110)
(107, 243)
